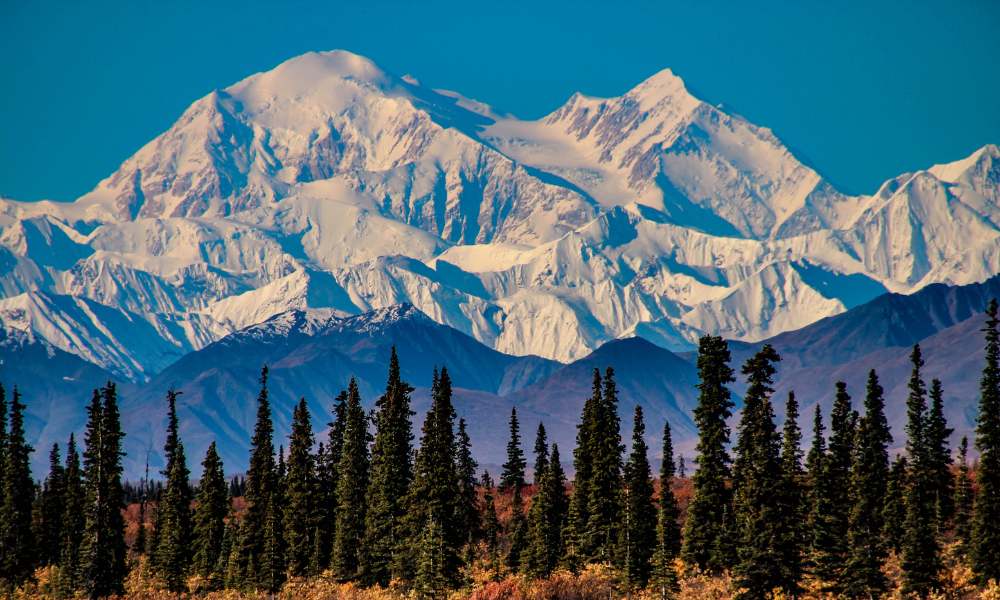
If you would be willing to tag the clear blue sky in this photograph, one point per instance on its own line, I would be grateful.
(867, 90)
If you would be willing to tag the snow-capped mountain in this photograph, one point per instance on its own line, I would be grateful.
(331, 183)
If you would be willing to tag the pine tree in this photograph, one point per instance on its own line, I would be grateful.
(300, 494)
(73, 523)
(467, 511)
(605, 503)
(984, 544)
(894, 513)
(433, 497)
(174, 550)
(541, 453)
(668, 531)
(830, 529)
(757, 481)
(517, 531)
(963, 495)
(791, 500)
(433, 577)
(352, 488)
(391, 475)
(512, 477)
(863, 577)
(51, 510)
(491, 525)
(546, 519)
(103, 550)
(706, 540)
(579, 515)
(637, 540)
(939, 455)
(921, 560)
(210, 518)
(327, 480)
(17, 540)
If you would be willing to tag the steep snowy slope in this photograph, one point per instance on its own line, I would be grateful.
(330, 183)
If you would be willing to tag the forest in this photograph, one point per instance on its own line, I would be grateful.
(373, 511)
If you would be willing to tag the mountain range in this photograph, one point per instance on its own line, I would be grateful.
(328, 192)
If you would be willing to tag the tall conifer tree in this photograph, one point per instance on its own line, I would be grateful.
(546, 520)
(209, 518)
(51, 510)
(921, 560)
(579, 515)
(830, 528)
(73, 523)
(174, 551)
(706, 541)
(863, 577)
(984, 555)
(327, 480)
(352, 488)
(391, 475)
(541, 453)
(939, 456)
(467, 511)
(894, 513)
(17, 540)
(668, 531)
(300, 494)
(791, 501)
(605, 503)
(963, 495)
(491, 525)
(513, 470)
(637, 540)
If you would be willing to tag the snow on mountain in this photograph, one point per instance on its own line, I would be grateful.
(331, 183)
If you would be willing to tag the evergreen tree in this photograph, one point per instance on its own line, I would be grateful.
(433, 498)
(300, 494)
(830, 528)
(963, 495)
(894, 513)
(517, 531)
(491, 525)
(352, 488)
(103, 550)
(3, 434)
(921, 560)
(637, 540)
(512, 477)
(984, 544)
(467, 511)
(668, 531)
(51, 510)
(174, 550)
(327, 480)
(546, 519)
(706, 540)
(791, 500)
(433, 576)
(73, 522)
(757, 483)
(579, 514)
(605, 504)
(939, 456)
(541, 453)
(17, 540)
(210, 518)
(863, 577)
(391, 475)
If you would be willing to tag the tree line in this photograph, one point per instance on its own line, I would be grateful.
(369, 506)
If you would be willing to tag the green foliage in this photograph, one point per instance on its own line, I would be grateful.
(984, 554)
(963, 495)
(517, 531)
(467, 510)
(327, 481)
(491, 525)
(579, 513)
(706, 540)
(209, 518)
(512, 477)
(791, 501)
(300, 494)
(173, 552)
(604, 490)
(637, 538)
(73, 523)
(668, 531)
(17, 540)
(939, 457)
(541, 453)
(352, 488)
(894, 513)
(546, 520)
(50, 508)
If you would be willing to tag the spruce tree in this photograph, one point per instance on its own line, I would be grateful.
(863, 576)
(352, 488)
(668, 531)
(894, 513)
(706, 540)
(921, 559)
(830, 528)
(984, 543)
(637, 538)
(963, 496)
(391, 475)
(103, 550)
(174, 551)
(432, 503)
(3, 432)
(73, 523)
(605, 503)
(939, 456)
(467, 511)
(546, 519)
(17, 540)
(517, 531)
(51, 510)
(791, 500)
(513, 470)
(327, 480)
(576, 526)
(433, 578)
(210, 518)
(491, 525)
(541, 453)
(300, 494)
(757, 482)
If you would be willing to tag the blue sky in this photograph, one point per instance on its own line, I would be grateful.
(866, 90)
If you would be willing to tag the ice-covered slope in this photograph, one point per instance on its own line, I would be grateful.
(330, 183)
